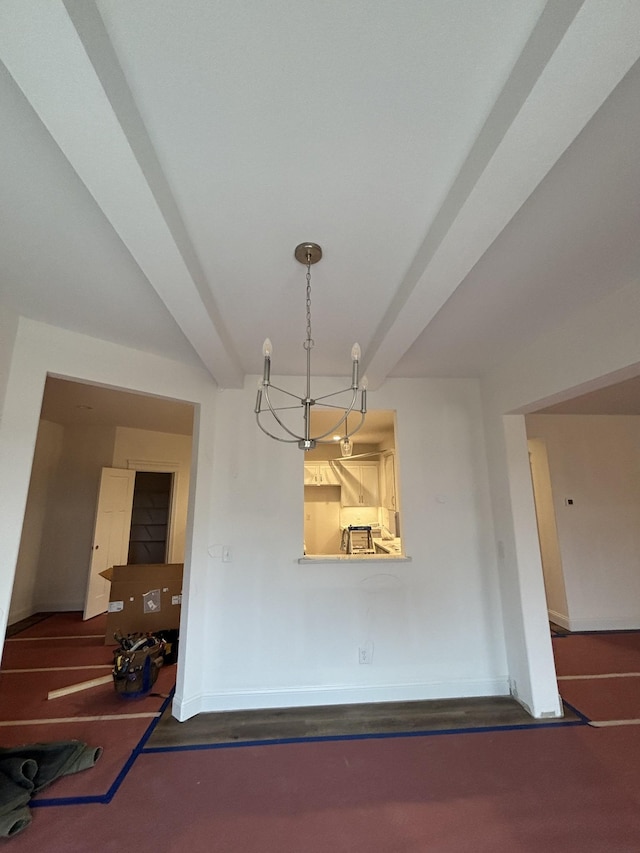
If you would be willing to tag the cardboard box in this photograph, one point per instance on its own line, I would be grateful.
(144, 598)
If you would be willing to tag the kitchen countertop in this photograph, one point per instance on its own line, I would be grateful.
(389, 546)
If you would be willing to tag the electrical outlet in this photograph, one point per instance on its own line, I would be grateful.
(364, 654)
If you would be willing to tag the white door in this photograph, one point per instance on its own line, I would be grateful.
(111, 535)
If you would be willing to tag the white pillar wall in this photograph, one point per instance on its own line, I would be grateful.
(597, 346)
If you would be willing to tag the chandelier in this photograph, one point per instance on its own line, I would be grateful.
(273, 406)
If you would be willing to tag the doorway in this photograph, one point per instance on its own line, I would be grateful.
(83, 429)
(150, 516)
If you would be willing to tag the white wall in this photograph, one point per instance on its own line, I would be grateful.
(40, 349)
(8, 332)
(139, 445)
(598, 345)
(280, 633)
(67, 535)
(45, 464)
(595, 461)
(264, 630)
(555, 590)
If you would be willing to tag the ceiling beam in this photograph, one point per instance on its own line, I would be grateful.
(60, 56)
(576, 55)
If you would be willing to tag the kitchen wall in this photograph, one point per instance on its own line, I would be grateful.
(348, 515)
(593, 460)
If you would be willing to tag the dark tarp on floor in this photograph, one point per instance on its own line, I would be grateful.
(25, 770)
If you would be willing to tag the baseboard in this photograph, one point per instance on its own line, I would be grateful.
(19, 615)
(63, 606)
(560, 619)
(183, 709)
(294, 697)
(595, 623)
(541, 715)
(628, 623)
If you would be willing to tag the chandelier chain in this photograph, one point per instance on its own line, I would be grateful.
(309, 341)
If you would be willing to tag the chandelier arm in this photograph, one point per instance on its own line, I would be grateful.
(273, 412)
(342, 391)
(335, 427)
(271, 435)
(282, 391)
(339, 423)
(281, 408)
(333, 406)
(351, 432)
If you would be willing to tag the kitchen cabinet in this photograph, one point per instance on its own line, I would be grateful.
(389, 498)
(320, 474)
(388, 546)
(359, 484)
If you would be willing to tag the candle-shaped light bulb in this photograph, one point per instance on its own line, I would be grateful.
(363, 395)
(355, 355)
(267, 349)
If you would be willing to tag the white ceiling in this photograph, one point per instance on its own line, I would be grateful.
(619, 398)
(80, 404)
(469, 167)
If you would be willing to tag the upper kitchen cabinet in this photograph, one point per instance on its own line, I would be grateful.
(367, 477)
(359, 483)
(388, 481)
(320, 474)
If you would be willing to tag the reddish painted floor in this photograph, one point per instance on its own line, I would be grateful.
(604, 698)
(591, 654)
(574, 789)
(571, 789)
(23, 698)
